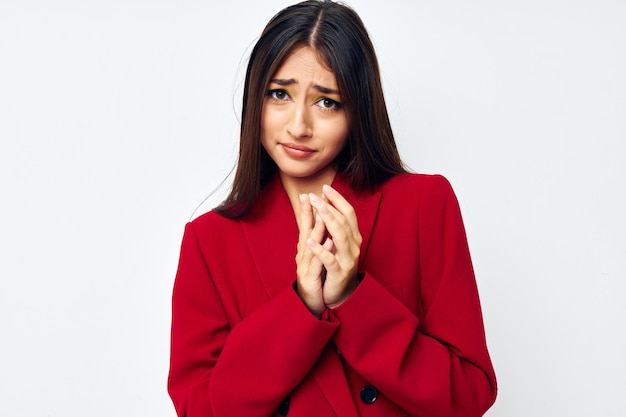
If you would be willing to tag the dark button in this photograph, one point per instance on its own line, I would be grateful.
(369, 394)
(283, 408)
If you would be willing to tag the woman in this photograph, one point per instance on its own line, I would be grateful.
(330, 282)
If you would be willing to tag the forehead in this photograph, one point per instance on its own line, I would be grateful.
(305, 63)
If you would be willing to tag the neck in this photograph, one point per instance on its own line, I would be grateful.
(313, 184)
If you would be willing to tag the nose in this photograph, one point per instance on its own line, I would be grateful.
(300, 125)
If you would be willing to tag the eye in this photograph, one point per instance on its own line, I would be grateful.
(278, 94)
(328, 104)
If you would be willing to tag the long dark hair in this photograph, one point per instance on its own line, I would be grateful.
(338, 35)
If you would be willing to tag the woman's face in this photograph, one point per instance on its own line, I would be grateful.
(303, 125)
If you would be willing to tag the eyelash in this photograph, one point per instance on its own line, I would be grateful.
(272, 94)
(335, 105)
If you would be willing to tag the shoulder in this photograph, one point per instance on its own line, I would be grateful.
(418, 196)
(417, 187)
(211, 219)
(212, 225)
(426, 200)
(417, 180)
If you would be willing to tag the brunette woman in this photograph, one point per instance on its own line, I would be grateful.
(330, 282)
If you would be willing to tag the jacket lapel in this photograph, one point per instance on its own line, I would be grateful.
(272, 235)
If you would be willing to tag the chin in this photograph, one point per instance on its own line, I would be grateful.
(298, 174)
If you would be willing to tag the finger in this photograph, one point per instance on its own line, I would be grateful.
(308, 269)
(328, 245)
(323, 253)
(306, 214)
(310, 286)
(309, 272)
(341, 204)
(340, 254)
(338, 225)
(306, 226)
(337, 282)
(319, 229)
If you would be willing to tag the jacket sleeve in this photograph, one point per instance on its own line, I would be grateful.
(438, 366)
(244, 370)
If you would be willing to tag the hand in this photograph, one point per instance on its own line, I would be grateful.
(339, 254)
(309, 268)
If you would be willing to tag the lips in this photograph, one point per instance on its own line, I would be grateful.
(297, 151)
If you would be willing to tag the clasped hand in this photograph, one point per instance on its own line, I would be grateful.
(329, 245)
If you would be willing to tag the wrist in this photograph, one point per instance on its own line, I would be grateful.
(349, 289)
(317, 309)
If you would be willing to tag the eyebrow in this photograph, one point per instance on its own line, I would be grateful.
(290, 81)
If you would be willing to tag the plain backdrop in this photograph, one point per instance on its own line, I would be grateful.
(117, 118)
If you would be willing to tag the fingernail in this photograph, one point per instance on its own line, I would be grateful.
(327, 189)
(311, 243)
(302, 198)
(314, 198)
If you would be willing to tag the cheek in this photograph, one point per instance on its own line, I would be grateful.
(270, 123)
(266, 129)
(341, 145)
(341, 132)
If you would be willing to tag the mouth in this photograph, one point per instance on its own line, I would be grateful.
(297, 151)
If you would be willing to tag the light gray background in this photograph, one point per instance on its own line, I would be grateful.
(118, 117)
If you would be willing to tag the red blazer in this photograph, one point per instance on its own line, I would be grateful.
(408, 342)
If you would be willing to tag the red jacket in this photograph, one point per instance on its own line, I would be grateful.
(408, 342)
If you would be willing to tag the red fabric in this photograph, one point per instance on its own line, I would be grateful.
(242, 340)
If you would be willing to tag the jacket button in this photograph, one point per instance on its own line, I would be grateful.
(369, 394)
(283, 408)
